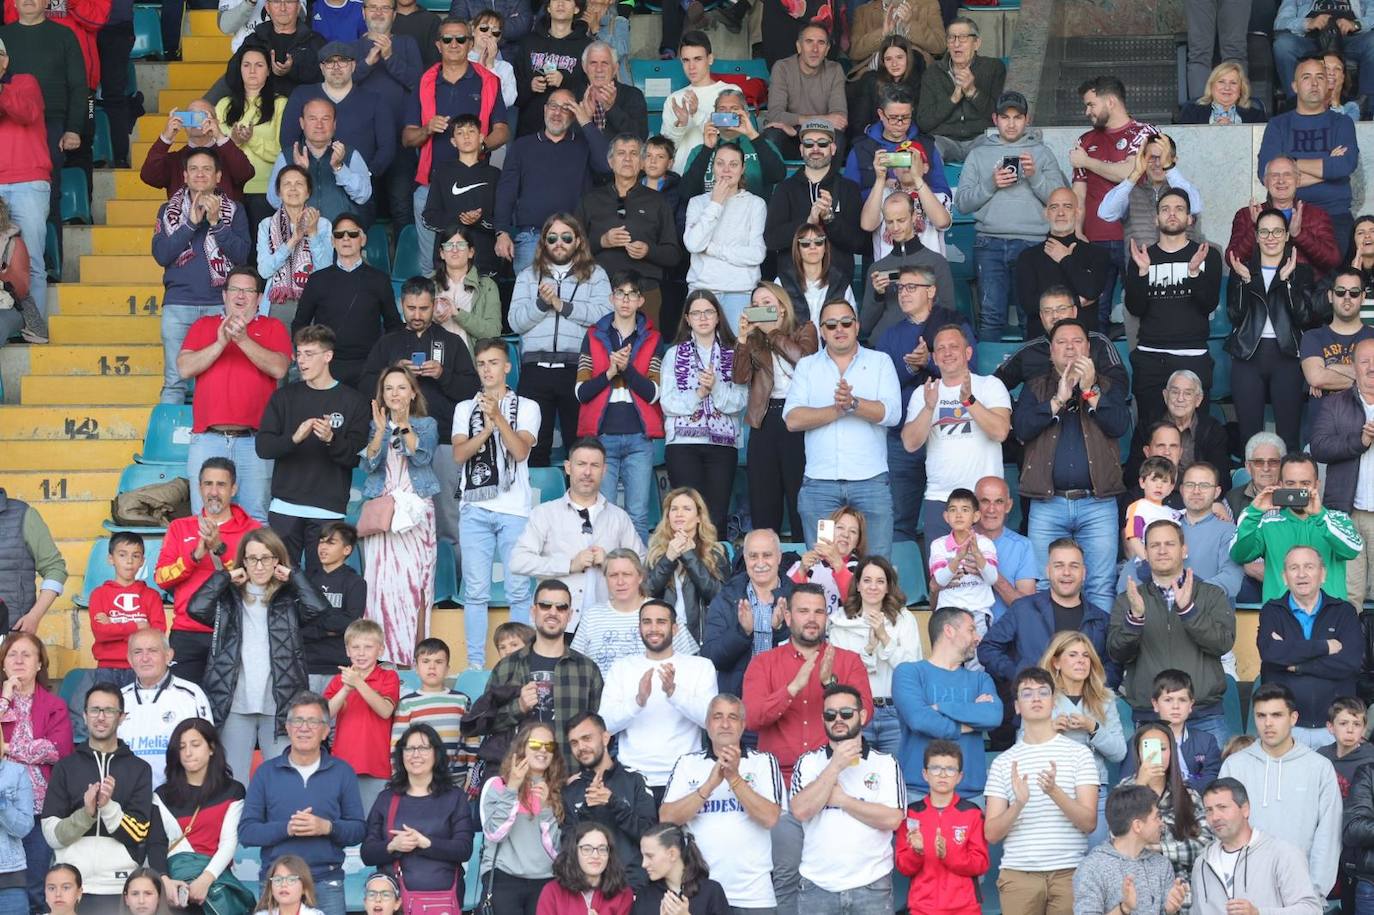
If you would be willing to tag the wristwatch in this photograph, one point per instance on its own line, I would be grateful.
(972, 399)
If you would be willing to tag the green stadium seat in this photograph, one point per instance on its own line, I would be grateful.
(657, 79)
(549, 481)
(445, 576)
(99, 571)
(52, 255)
(911, 571)
(751, 67)
(407, 263)
(472, 683)
(378, 252)
(990, 355)
(102, 149)
(147, 33)
(168, 438)
(76, 197)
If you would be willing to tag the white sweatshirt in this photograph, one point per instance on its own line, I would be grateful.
(726, 242)
(655, 735)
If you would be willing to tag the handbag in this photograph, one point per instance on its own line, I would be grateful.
(375, 517)
(424, 902)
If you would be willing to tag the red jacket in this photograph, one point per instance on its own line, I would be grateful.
(947, 886)
(554, 900)
(644, 356)
(23, 136)
(117, 612)
(1316, 241)
(84, 18)
(180, 574)
(166, 168)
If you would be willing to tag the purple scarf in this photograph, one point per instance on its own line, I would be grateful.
(706, 421)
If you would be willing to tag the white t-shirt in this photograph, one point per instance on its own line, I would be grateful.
(150, 716)
(738, 849)
(1042, 838)
(958, 452)
(840, 852)
(519, 498)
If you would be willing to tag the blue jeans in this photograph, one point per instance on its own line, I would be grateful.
(995, 260)
(1094, 524)
(820, 498)
(630, 460)
(1290, 48)
(14, 901)
(254, 474)
(329, 894)
(176, 321)
(37, 855)
(1117, 250)
(485, 534)
(28, 203)
(526, 245)
(1364, 898)
(733, 304)
(873, 899)
(885, 730)
(907, 473)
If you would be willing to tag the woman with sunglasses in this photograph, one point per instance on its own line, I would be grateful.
(467, 303)
(420, 827)
(399, 564)
(724, 234)
(1269, 303)
(765, 359)
(809, 277)
(587, 876)
(256, 664)
(1362, 257)
(488, 31)
(522, 817)
(679, 879)
(556, 299)
(293, 243)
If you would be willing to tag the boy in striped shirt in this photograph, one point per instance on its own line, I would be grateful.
(436, 705)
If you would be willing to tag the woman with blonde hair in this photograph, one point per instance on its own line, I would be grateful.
(1226, 99)
(687, 563)
(875, 624)
(256, 665)
(1085, 710)
(522, 818)
(766, 357)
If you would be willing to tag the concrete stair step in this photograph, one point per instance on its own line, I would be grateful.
(55, 423)
(129, 186)
(41, 486)
(80, 390)
(78, 455)
(104, 359)
(93, 299)
(196, 76)
(169, 100)
(132, 213)
(74, 518)
(137, 268)
(113, 333)
(206, 48)
(121, 240)
(203, 22)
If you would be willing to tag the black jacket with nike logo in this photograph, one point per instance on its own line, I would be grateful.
(108, 846)
(454, 189)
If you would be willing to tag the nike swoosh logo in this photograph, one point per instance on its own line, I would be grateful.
(457, 191)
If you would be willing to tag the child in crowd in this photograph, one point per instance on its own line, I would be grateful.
(436, 705)
(1236, 744)
(1346, 721)
(120, 607)
(963, 564)
(346, 593)
(1157, 483)
(941, 845)
(362, 698)
(1197, 753)
(511, 637)
(287, 896)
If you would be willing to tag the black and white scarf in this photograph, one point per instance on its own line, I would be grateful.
(490, 471)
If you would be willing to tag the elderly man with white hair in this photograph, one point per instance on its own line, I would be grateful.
(746, 617)
(1202, 437)
(617, 107)
(157, 701)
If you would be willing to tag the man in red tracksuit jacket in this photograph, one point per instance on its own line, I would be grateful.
(941, 845)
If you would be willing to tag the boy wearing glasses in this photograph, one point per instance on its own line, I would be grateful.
(1042, 804)
(941, 846)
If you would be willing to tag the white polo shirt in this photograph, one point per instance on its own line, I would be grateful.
(839, 852)
(738, 849)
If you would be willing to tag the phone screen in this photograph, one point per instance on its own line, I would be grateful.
(825, 530)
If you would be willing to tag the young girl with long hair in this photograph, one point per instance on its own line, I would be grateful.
(587, 876)
(1186, 832)
(522, 815)
(288, 888)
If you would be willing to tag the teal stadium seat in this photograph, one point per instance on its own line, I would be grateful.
(52, 256)
(378, 251)
(472, 683)
(168, 438)
(445, 575)
(752, 67)
(1221, 370)
(407, 263)
(472, 881)
(147, 33)
(76, 197)
(99, 571)
(549, 481)
(991, 354)
(911, 571)
(657, 79)
(137, 475)
(960, 236)
(410, 680)
(1230, 705)
(102, 148)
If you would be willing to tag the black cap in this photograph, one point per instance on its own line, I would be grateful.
(1012, 99)
(337, 49)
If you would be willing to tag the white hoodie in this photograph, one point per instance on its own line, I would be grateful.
(725, 241)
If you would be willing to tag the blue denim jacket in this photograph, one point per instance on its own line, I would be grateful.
(421, 474)
(16, 815)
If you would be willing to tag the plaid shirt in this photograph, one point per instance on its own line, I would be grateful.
(1181, 852)
(576, 689)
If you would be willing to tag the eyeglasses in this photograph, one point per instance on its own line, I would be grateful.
(698, 314)
(1054, 310)
(418, 750)
(378, 894)
(455, 39)
(1182, 393)
(458, 245)
(912, 287)
(1271, 233)
(959, 37)
(595, 851)
(337, 61)
(811, 243)
(625, 295)
(833, 323)
(815, 144)
(308, 353)
(897, 118)
(103, 712)
(560, 606)
(1264, 462)
(1343, 292)
(1197, 485)
(943, 770)
(847, 713)
(285, 879)
(554, 238)
(495, 33)
(545, 746)
(348, 233)
(242, 290)
(299, 722)
(259, 561)
(1043, 692)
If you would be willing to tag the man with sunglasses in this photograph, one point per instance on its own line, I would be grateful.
(1309, 227)
(849, 798)
(817, 193)
(1328, 351)
(843, 398)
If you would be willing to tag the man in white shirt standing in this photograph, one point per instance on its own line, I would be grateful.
(156, 702)
(687, 111)
(730, 797)
(843, 398)
(849, 799)
(656, 702)
(1042, 803)
(492, 437)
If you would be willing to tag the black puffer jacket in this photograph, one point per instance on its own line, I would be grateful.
(837, 283)
(1288, 304)
(219, 604)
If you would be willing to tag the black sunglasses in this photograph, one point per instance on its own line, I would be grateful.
(455, 39)
(837, 322)
(495, 33)
(347, 233)
(554, 238)
(815, 144)
(561, 607)
(846, 713)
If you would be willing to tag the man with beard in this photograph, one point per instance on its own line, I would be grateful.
(1328, 352)
(850, 798)
(604, 791)
(575, 684)
(656, 702)
(817, 193)
(1172, 287)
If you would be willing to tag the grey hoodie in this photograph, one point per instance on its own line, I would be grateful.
(1269, 873)
(1295, 796)
(1097, 882)
(1010, 212)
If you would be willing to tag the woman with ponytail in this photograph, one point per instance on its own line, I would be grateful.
(679, 881)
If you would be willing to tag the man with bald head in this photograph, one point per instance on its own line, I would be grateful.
(164, 167)
(746, 617)
(1342, 436)
(341, 181)
(1309, 227)
(1016, 572)
(1063, 260)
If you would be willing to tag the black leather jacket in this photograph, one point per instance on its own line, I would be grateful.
(219, 603)
(1358, 834)
(1288, 304)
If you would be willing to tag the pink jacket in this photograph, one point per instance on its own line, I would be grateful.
(52, 731)
(22, 133)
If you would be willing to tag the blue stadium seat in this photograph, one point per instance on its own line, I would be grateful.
(99, 571)
(657, 79)
(991, 354)
(1221, 370)
(52, 255)
(1012, 474)
(168, 438)
(407, 263)
(76, 197)
(751, 67)
(472, 881)
(378, 251)
(445, 575)
(137, 475)
(513, 353)
(549, 481)
(911, 571)
(102, 149)
(472, 683)
(410, 680)
(147, 33)
(1230, 706)
(1220, 326)
(960, 235)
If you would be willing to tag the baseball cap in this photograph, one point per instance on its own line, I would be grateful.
(816, 125)
(1012, 99)
(337, 49)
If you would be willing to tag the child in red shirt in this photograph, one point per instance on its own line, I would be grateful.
(941, 845)
(362, 698)
(121, 607)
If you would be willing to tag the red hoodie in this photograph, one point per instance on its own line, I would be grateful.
(178, 572)
(117, 612)
(84, 18)
(949, 885)
(23, 136)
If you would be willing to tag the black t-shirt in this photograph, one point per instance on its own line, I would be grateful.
(1067, 619)
(538, 663)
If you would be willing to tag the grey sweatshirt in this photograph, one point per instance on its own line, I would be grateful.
(1097, 882)
(1010, 212)
(517, 842)
(1295, 796)
(1270, 874)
